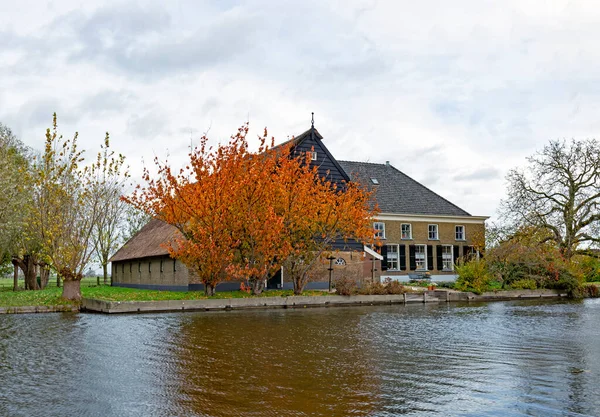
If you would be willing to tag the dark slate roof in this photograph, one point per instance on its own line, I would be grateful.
(150, 241)
(398, 193)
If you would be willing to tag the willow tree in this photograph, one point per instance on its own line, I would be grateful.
(64, 209)
(559, 193)
(14, 197)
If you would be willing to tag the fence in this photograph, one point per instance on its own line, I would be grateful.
(85, 282)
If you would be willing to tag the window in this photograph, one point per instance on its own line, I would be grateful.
(130, 268)
(375, 181)
(340, 262)
(392, 257)
(460, 232)
(406, 231)
(433, 232)
(447, 258)
(140, 267)
(149, 267)
(174, 265)
(313, 156)
(379, 230)
(161, 266)
(421, 256)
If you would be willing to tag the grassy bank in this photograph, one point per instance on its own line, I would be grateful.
(51, 296)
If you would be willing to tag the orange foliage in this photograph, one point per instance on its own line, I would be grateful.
(242, 214)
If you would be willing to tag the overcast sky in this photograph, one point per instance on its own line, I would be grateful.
(452, 93)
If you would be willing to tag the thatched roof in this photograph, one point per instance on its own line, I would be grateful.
(148, 242)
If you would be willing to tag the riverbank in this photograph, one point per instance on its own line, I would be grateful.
(436, 296)
(112, 300)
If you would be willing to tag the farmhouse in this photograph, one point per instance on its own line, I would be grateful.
(421, 232)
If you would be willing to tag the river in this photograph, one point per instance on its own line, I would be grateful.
(488, 359)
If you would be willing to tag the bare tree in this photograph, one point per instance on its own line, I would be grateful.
(109, 176)
(559, 192)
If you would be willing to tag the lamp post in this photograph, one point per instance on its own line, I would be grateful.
(330, 269)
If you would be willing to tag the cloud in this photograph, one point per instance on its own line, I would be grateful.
(453, 94)
(479, 174)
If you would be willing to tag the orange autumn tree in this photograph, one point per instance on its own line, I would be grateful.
(242, 214)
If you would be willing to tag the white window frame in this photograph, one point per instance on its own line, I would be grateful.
(379, 232)
(396, 259)
(445, 258)
(424, 258)
(313, 155)
(409, 231)
(464, 233)
(437, 232)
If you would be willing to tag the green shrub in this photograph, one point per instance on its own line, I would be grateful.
(473, 276)
(524, 284)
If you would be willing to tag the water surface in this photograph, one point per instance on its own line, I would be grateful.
(494, 359)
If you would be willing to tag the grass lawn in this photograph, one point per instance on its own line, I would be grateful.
(51, 296)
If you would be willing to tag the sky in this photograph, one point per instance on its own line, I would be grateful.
(454, 94)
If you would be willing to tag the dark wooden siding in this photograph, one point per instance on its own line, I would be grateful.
(327, 167)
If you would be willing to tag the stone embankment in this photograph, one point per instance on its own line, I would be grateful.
(437, 296)
(37, 309)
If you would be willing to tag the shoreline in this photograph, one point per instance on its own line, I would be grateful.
(95, 306)
(226, 304)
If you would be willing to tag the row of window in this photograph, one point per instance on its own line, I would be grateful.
(421, 257)
(406, 231)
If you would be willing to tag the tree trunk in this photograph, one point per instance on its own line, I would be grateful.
(72, 290)
(300, 282)
(105, 272)
(16, 278)
(57, 280)
(44, 276)
(27, 265)
(209, 289)
(257, 286)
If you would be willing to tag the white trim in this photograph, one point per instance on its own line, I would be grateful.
(397, 256)
(437, 231)
(409, 229)
(464, 233)
(372, 253)
(407, 218)
(379, 230)
(425, 268)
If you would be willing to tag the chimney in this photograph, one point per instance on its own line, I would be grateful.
(387, 163)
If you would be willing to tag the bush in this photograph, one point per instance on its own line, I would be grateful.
(373, 288)
(473, 276)
(345, 285)
(524, 284)
(591, 291)
(394, 287)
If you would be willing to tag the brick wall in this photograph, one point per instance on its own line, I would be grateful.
(358, 266)
(474, 235)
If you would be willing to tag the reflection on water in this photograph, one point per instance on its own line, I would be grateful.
(496, 359)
